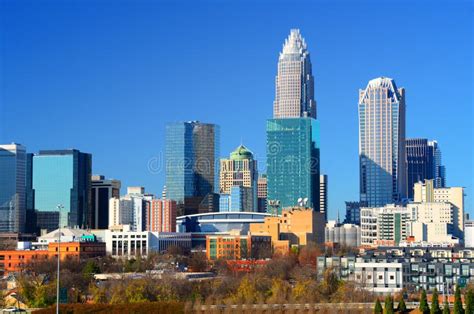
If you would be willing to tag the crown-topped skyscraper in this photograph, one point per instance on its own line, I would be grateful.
(293, 133)
(294, 93)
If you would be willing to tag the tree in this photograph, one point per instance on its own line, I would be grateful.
(378, 307)
(90, 269)
(402, 307)
(435, 309)
(424, 307)
(446, 307)
(388, 306)
(458, 302)
(469, 301)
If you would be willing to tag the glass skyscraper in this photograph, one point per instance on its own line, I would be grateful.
(12, 187)
(439, 170)
(293, 134)
(293, 161)
(192, 164)
(62, 177)
(382, 143)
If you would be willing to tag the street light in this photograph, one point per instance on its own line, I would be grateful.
(59, 207)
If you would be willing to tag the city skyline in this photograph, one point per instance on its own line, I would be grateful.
(421, 109)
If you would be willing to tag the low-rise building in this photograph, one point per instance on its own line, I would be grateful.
(342, 234)
(236, 246)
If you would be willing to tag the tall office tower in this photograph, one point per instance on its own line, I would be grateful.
(353, 212)
(162, 216)
(102, 191)
(120, 211)
(140, 207)
(323, 195)
(293, 134)
(262, 193)
(294, 92)
(62, 177)
(12, 188)
(31, 217)
(426, 192)
(240, 170)
(439, 170)
(192, 167)
(419, 162)
(382, 143)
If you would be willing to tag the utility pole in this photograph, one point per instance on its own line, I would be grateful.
(59, 207)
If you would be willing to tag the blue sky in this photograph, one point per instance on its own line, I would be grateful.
(105, 77)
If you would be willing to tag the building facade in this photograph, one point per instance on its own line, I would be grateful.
(12, 188)
(62, 177)
(323, 195)
(102, 191)
(419, 161)
(353, 212)
(294, 92)
(240, 170)
(191, 165)
(439, 171)
(344, 234)
(262, 193)
(162, 216)
(237, 246)
(382, 143)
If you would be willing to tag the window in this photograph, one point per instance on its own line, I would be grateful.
(392, 277)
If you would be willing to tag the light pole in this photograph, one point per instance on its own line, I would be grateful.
(59, 207)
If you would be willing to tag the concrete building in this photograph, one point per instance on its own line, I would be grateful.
(297, 226)
(323, 195)
(12, 188)
(102, 191)
(236, 246)
(380, 277)
(262, 193)
(240, 170)
(469, 234)
(344, 234)
(161, 216)
(382, 143)
(427, 193)
(120, 211)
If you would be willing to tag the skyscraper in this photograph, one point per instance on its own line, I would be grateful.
(12, 187)
(262, 193)
(382, 143)
(240, 170)
(439, 170)
(102, 191)
(294, 90)
(192, 168)
(293, 134)
(419, 162)
(62, 177)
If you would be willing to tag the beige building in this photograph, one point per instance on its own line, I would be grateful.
(240, 170)
(297, 226)
(427, 193)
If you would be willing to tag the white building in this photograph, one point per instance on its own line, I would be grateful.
(130, 209)
(427, 193)
(120, 211)
(344, 234)
(469, 234)
(380, 277)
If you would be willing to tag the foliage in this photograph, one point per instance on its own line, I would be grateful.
(458, 309)
(378, 307)
(424, 307)
(90, 269)
(446, 309)
(136, 308)
(469, 301)
(435, 309)
(402, 307)
(388, 306)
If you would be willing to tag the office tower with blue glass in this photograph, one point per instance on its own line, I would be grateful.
(192, 166)
(382, 143)
(62, 177)
(293, 133)
(12, 187)
(439, 170)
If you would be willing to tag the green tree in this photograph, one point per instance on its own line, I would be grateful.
(458, 302)
(435, 309)
(90, 269)
(402, 307)
(446, 307)
(469, 301)
(424, 307)
(378, 307)
(388, 306)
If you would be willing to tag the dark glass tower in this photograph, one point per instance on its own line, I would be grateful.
(420, 162)
(191, 157)
(62, 177)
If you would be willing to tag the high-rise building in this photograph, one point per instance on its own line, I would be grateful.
(294, 92)
(426, 193)
(140, 207)
(353, 212)
(162, 216)
(62, 177)
(192, 168)
(382, 143)
(12, 187)
(439, 170)
(293, 162)
(262, 193)
(102, 191)
(120, 211)
(419, 162)
(323, 195)
(240, 170)
(293, 134)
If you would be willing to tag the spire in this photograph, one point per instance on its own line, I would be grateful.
(295, 43)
